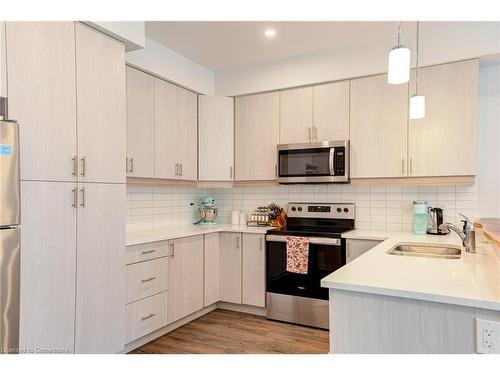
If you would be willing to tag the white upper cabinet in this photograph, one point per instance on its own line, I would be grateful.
(443, 143)
(331, 111)
(296, 115)
(215, 138)
(187, 134)
(378, 129)
(3, 61)
(140, 124)
(42, 97)
(100, 77)
(256, 136)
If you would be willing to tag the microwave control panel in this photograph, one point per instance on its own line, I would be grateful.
(339, 161)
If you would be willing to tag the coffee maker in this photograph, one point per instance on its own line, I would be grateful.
(436, 216)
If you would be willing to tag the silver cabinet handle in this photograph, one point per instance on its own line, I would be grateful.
(172, 250)
(146, 317)
(231, 171)
(261, 240)
(75, 197)
(82, 190)
(403, 166)
(144, 252)
(84, 169)
(126, 165)
(238, 242)
(276, 170)
(309, 133)
(315, 133)
(131, 165)
(75, 165)
(176, 169)
(180, 166)
(148, 279)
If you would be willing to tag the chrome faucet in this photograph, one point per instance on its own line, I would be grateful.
(467, 234)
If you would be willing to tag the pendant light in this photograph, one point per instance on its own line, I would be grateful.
(399, 62)
(417, 102)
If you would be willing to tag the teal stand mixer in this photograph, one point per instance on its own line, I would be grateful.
(208, 213)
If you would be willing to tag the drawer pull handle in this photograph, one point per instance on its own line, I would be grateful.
(148, 279)
(148, 252)
(147, 317)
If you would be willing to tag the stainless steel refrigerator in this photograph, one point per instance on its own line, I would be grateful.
(10, 234)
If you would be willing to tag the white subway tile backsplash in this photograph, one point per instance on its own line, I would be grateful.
(377, 207)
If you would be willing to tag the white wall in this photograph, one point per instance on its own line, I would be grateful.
(488, 143)
(439, 42)
(132, 33)
(172, 66)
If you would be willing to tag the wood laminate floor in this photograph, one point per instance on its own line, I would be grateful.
(223, 331)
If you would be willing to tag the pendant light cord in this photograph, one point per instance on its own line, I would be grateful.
(416, 73)
(399, 34)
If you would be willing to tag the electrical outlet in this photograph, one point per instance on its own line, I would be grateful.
(487, 336)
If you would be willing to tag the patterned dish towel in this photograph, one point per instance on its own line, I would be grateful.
(297, 254)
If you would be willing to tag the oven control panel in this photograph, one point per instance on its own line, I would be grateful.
(321, 210)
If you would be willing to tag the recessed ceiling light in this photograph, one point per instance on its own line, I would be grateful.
(269, 33)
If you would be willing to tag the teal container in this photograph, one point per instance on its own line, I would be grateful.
(420, 209)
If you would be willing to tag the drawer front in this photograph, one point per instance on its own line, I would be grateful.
(146, 315)
(146, 278)
(147, 251)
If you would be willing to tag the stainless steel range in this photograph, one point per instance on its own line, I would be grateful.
(299, 297)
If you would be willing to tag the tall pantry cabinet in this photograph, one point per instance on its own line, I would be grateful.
(66, 85)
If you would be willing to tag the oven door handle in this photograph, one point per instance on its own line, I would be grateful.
(312, 240)
(331, 160)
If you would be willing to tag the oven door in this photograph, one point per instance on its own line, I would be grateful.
(319, 162)
(325, 256)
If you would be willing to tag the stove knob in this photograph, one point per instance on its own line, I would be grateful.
(293, 209)
(339, 209)
(346, 210)
(300, 209)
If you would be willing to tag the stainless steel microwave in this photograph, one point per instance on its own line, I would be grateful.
(315, 162)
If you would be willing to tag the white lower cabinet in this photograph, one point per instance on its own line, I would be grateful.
(230, 267)
(146, 278)
(146, 315)
(212, 269)
(185, 278)
(253, 270)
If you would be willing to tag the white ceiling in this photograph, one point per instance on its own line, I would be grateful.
(227, 45)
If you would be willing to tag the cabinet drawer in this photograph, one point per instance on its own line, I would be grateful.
(147, 251)
(146, 278)
(146, 315)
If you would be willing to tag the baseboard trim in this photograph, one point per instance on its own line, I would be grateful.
(242, 308)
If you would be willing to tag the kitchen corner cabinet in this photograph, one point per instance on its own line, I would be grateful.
(3, 62)
(41, 55)
(185, 278)
(378, 128)
(100, 274)
(216, 138)
(175, 147)
(443, 143)
(100, 94)
(140, 124)
(257, 120)
(212, 269)
(253, 270)
(230, 267)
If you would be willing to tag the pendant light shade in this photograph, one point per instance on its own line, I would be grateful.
(417, 101)
(399, 63)
(417, 107)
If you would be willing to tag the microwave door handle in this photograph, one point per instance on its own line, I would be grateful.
(332, 159)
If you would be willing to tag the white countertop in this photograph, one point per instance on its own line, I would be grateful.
(136, 237)
(473, 280)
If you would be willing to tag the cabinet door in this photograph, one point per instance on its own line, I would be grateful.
(166, 132)
(216, 137)
(42, 97)
(331, 111)
(100, 282)
(185, 286)
(256, 136)
(230, 267)
(3, 61)
(296, 115)
(187, 134)
(48, 265)
(443, 143)
(253, 275)
(378, 128)
(140, 123)
(212, 269)
(100, 77)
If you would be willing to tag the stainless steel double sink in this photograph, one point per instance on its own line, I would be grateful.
(427, 251)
